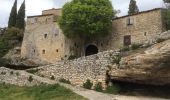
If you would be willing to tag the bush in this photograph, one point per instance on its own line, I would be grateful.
(71, 57)
(98, 87)
(33, 71)
(114, 89)
(11, 72)
(52, 77)
(17, 73)
(117, 59)
(30, 79)
(135, 46)
(64, 81)
(3, 73)
(87, 84)
(159, 40)
(126, 48)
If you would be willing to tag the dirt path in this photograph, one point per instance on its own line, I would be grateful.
(93, 95)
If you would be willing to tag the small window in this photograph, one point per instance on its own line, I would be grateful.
(56, 50)
(43, 52)
(127, 40)
(145, 33)
(130, 21)
(45, 35)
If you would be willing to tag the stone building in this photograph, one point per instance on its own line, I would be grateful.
(44, 40)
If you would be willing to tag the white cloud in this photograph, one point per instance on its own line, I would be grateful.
(34, 7)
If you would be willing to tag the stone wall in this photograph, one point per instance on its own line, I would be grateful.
(79, 70)
(144, 26)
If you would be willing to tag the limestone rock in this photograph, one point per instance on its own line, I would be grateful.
(150, 67)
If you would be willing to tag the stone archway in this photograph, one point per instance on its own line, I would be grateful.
(90, 50)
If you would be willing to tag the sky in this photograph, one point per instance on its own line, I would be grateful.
(35, 7)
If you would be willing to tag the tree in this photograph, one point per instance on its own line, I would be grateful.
(13, 15)
(86, 18)
(20, 22)
(133, 8)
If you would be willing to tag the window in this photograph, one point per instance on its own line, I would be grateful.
(130, 21)
(43, 52)
(45, 35)
(127, 40)
(57, 50)
(145, 33)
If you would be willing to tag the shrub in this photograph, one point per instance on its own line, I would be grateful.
(17, 73)
(52, 77)
(64, 81)
(30, 79)
(87, 84)
(117, 59)
(135, 46)
(159, 40)
(3, 73)
(71, 57)
(114, 89)
(98, 87)
(33, 71)
(125, 48)
(11, 72)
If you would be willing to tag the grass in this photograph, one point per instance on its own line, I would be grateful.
(42, 92)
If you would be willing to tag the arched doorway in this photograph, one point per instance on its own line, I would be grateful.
(90, 50)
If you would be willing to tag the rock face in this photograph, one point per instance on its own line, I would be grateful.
(150, 67)
(21, 78)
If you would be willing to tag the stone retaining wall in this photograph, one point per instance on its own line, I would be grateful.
(79, 70)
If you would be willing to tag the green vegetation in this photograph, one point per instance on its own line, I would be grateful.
(13, 16)
(30, 79)
(114, 89)
(160, 40)
(88, 84)
(135, 46)
(117, 59)
(125, 48)
(64, 81)
(20, 21)
(98, 87)
(133, 8)
(71, 57)
(86, 18)
(32, 71)
(42, 92)
(9, 39)
(52, 77)
(17, 19)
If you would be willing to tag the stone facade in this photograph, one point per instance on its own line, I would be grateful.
(44, 40)
(139, 27)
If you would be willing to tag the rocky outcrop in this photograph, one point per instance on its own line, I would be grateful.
(21, 78)
(150, 67)
(13, 58)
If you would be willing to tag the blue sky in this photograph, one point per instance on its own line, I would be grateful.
(34, 7)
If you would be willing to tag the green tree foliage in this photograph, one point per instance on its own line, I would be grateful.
(13, 16)
(86, 18)
(133, 8)
(20, 22)
(9, 39)
(166, 1)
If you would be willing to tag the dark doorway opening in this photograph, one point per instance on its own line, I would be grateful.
(90, 50)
